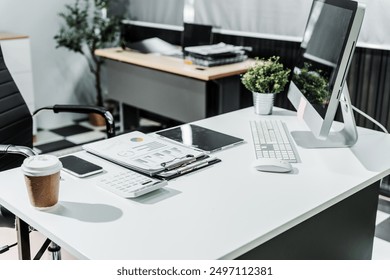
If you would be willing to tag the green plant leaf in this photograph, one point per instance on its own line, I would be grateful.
(266, 76)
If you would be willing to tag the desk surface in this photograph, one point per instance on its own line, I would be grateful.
(174, 65)
(219, 212)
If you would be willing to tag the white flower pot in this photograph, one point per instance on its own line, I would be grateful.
(263, 103)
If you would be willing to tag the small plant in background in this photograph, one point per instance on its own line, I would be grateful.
(266, 76)
(88, 28)
(312, 84)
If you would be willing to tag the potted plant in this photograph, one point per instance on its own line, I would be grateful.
(86, 29)
(264, 79)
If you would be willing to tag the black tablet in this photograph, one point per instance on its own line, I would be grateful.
(201, 138)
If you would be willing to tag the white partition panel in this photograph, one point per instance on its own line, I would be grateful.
(272, 17)
(157, 11)
(286, 19)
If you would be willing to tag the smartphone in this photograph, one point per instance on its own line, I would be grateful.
(79, 167)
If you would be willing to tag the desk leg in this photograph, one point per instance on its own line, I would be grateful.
(23, 238)
(228, 94)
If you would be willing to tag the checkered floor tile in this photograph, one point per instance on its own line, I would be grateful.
(67, 137)
(382, 230)
(70, 138)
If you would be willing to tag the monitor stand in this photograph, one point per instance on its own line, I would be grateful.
(346, 137)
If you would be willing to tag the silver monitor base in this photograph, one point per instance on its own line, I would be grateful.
(346, 137)
(306, 139)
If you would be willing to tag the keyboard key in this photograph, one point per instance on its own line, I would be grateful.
(129, 184)
(270, 138)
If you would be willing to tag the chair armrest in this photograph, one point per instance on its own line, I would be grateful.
(19, 150)
(85, 109)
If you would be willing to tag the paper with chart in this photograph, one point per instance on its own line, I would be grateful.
(142, 152)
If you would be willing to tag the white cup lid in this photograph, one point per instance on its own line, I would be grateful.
(41, 165)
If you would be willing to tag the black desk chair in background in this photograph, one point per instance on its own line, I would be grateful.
(16, 137)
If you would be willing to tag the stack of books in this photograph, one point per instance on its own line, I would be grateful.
(218, 54)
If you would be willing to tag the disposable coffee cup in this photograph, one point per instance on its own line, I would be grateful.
(42, 176)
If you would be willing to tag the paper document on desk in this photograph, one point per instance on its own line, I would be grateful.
(154, 45)
(144, 153)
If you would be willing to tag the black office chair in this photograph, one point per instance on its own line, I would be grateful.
(16, 130)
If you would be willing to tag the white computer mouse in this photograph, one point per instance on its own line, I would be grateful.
(272, 165)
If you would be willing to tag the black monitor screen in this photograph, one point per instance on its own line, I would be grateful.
(321, 52)
(196, 35)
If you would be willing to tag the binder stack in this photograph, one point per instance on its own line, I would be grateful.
(217, 54)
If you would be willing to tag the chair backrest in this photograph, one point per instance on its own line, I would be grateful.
(15, 117)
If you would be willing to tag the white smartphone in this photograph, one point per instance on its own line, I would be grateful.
(79, 167)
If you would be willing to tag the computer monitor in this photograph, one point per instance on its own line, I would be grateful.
(196, 35)
(318, 84)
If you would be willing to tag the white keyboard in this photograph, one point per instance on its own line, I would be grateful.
(271, 140)
(129, 184)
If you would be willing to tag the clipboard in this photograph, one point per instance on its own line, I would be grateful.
(150, 155)
(200, 163)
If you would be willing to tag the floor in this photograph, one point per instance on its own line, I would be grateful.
(69, 139)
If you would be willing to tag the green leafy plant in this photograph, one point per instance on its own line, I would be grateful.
(312, 84)
(266, 76)
(87, 28)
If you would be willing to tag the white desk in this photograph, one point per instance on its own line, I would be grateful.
(225, 210)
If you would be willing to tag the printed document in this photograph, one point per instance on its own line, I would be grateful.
(144, 153)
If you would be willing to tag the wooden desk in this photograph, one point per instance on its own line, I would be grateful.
(324, 209)
(169, 87)
(174, 65)
(11, 36)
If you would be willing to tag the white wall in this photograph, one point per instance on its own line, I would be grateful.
(59, 76)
